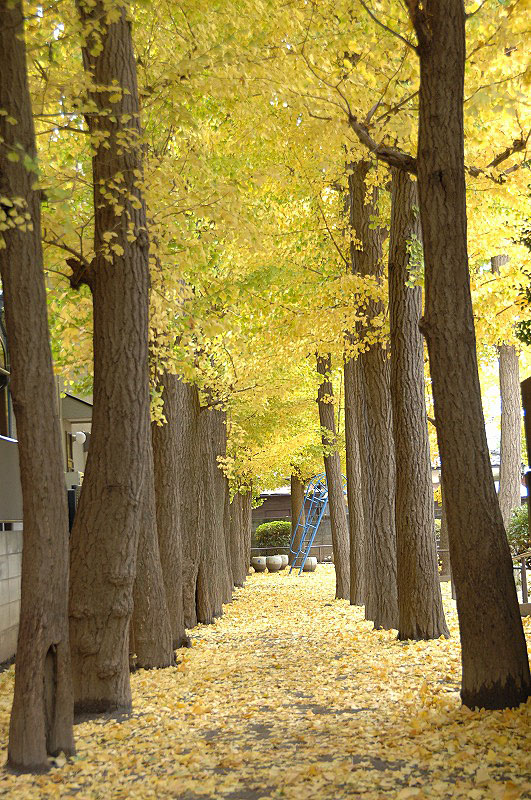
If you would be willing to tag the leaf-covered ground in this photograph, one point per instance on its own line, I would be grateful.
(292, 695)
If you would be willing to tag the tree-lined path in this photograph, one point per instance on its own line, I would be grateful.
(255, 237)
(292, 695)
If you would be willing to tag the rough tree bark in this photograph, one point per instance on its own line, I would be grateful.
(214, 586)
(104, 538)
(151, 634)
(420, 609)
(167, 452)
(239, 536)
(236, 540)
(494, 659)
(297, 501)
(381, 602)
(247, 519)
(444, 543)
(334, 479)
(355, 481)
(229, 583)
(190, 513)
(42, 712)
(511, 432)
(511, 422)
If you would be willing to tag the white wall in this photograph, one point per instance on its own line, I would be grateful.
(10, 571)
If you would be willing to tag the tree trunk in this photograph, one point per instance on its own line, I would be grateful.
(511, 422)
(188, 479)
(355, 481)
(239, 537)
(152, 633)
(511, 432)
(444, 544)
(421, 614)
(41, 717)
(105, 534)
(494, 658)
(297, 502)
(247, 518)
(213, 575)
(167, 452)
(381, 602)
(334, 479)
(229, 582)
(236, 540)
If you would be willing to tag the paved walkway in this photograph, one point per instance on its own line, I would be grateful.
(292, 695)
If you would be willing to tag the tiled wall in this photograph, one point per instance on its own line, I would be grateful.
(10, 571)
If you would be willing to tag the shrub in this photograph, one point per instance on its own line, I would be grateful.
(518, 531)
(273, 534)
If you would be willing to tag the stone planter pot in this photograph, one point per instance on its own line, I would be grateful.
(285, 561)
(310, 564)
(259, 563)
(274, 563)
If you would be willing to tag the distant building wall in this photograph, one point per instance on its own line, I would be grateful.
(278, 506)
(10, 546)
(10, 572)
(10, 488)
(275, 506)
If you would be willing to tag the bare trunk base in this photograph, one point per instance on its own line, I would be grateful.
(167, 455)
(334, 479)
(190, 516)
(213, 574)
(508, 694)
(151, 647)
(381, 589)
(297, 500)
(356, 516)
(238, 539)
(41, 716)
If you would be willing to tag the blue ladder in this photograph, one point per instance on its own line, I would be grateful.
(317, 495)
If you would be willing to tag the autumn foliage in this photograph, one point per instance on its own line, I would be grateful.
(255, 708)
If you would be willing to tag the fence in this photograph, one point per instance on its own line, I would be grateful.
(520, 565)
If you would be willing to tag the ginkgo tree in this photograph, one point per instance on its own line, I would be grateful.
(199, 227)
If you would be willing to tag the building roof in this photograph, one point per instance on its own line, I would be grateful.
(75, 409)
(282, 491)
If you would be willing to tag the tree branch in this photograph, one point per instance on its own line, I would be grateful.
(389, 30)
(79, 265)
(398, 158)
(473, 14)
(391, 155)
(332, 238)
(517, 146)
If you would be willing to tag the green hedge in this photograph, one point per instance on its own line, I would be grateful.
(273, 534)
(518, 531)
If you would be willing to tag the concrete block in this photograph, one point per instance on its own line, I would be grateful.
(15, 565)
(3, 542)
(14, 541)
(8, 643)
(14, 589)
(14, 613)
(5, 623)
(4, 567)
(4, 592)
